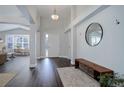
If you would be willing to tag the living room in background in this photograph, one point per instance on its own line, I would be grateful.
(19, 44)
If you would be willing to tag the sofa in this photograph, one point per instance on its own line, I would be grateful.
(22, 52)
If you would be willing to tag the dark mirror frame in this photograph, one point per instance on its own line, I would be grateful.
(87, 31)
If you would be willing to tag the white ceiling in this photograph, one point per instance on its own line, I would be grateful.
(6, 27)
(9, 11)
(46, 10)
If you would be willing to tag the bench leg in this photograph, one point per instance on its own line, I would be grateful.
(96, 75)
(76, 64)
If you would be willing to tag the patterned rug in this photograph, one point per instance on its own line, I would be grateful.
(5, 78)
(72, 77)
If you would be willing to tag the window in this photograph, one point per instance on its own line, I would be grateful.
(17, 41)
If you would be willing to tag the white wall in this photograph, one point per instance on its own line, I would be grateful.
(2, 44)
(77, 13)
(38, 43)
(53, 43)
(62, 52)
(66, 44)
(65, 41)
(84, 10)
(110, 51)
(56, 29)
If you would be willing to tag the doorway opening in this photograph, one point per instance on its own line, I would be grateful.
(18, 45)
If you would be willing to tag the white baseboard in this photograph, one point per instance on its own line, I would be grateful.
(45, 57)
(64, 57)
(40, 57)
(33, 65)
(72, 62)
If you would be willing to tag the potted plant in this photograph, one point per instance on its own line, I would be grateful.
(18, 46)
(108, 80)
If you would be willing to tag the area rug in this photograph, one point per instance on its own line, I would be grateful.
(5, 78)
(72, 77)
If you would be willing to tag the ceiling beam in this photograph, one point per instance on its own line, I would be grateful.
(83, 17)
(25, 13)
(13, 29)
(14, 20)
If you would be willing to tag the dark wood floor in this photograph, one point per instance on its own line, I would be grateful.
(44, 75)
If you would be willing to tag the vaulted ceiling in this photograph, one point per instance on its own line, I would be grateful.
(45, 11)
(19, 13)
(11, 13)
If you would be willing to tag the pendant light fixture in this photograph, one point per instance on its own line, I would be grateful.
(54, 16)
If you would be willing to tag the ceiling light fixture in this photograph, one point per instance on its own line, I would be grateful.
(54, 16)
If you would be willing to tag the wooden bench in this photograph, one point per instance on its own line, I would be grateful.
(94, 70)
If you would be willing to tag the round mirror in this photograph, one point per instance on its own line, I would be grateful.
(94, 34)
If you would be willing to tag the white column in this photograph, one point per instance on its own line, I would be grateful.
(38, 47)
(33, 58)
(73, 45)
(73, 36)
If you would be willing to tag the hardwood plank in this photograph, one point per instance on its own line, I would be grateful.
(44, 75)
